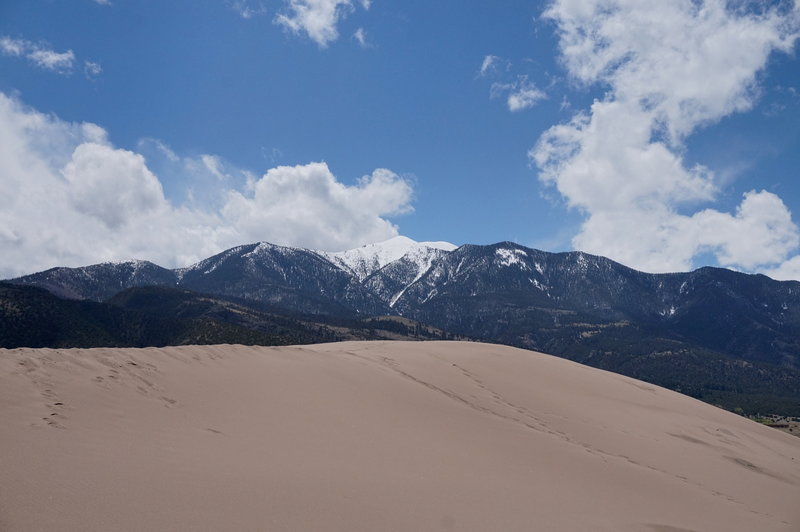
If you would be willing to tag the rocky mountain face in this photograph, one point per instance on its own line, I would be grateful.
(709, 332)
(391, 281)
(100, 281)
(274, 277)
(514, 294)
(292, 279)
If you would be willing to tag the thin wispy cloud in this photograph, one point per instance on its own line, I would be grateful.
(61, 62)
(488, 65)
(670, 69)
(92, 69)
(519, 92)
(44, 57)
(493, 66)
(519, 95)
(361, 38)
(248, 9)
(13, 47)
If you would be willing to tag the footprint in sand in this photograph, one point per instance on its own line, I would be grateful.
(168, 401)
(54, 420)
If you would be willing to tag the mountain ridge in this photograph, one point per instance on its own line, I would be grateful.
(711, 332)
(436, 284)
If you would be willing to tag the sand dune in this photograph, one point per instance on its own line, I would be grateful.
(373, 436)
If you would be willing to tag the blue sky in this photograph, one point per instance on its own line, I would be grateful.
(665, 135)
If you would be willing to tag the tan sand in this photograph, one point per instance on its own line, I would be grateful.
(373, 436)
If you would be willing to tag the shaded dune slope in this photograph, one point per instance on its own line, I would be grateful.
(373, 436)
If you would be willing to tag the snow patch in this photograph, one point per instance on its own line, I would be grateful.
(210, 264)
(444, 246)
(539, 285)
(431, 294)
(136, 266)
(422, 258)
(136, 263)
(667, 313)
(259, 249)
(509, 257)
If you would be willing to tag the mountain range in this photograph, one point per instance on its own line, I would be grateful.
(726, 337)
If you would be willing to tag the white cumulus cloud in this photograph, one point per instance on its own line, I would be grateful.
(788, 270)
(307, 204)
(71, 198)
(669, 69)
(318, 19)
(111, 185)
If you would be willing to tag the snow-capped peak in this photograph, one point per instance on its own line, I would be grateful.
(365, 260)
(444, 246)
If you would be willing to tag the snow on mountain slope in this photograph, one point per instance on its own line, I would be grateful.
(209, 264)
(390, 282)
(366, 260)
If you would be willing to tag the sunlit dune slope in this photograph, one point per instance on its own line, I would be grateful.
(373, 436)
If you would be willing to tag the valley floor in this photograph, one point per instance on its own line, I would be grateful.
(373, 436)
